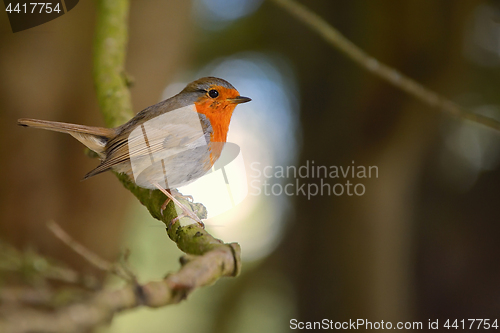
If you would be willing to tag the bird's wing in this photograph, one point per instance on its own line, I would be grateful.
(166, 134)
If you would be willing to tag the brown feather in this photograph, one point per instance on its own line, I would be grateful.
(95, 138)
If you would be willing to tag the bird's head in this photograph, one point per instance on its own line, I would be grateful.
(215, 93)
(215, 98)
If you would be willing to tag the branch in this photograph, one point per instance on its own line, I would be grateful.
(110, 43)
(196, 272)
(88, 310)
(387, 73)
(88, 255)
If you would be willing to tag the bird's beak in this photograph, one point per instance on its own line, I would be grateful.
(239, 100)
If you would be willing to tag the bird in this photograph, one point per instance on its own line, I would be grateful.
(172, 143)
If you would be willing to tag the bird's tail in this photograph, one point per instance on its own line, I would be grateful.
(95, 138)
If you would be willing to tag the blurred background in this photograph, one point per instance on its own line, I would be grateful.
(421, 243)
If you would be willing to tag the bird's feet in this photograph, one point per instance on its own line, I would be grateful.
(164, 206)
(185, 211)
(180, 216)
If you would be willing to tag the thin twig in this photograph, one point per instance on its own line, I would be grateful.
(387, 73)
(88, 255)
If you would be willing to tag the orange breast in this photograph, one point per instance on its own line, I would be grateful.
(219, 112)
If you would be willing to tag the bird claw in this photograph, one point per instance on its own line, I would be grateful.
(175, 219)
(185, 210)
(164, 206)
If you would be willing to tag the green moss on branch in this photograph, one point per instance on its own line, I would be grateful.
(110, 45)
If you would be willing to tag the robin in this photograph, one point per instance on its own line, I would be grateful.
(171, 143)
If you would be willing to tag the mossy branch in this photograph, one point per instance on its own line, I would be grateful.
(191, 239)
(110, 43)
(385, 72)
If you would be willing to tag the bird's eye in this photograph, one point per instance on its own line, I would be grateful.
(213, 93)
